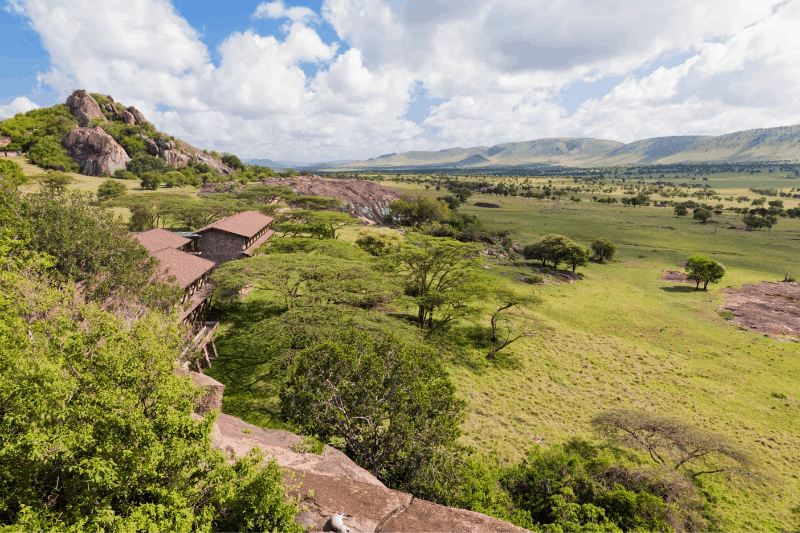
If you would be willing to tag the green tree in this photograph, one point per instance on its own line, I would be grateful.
(317, 224)
(702, 269)
(603, 249)
(110, 189)
(757, 221)
(151, 180)
(462, 193)
(232, 161)
(141, 164)
(53, 182)
(391, 402)
(408, 211)
(703, 215)
(376, 244)
(11, 173)
(441, 275)
(681, 210)
(575, 255)
(553, 248)
(91, 248)
(97, 432)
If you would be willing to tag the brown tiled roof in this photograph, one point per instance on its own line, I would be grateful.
(185, 267)
(159, 239)
(246, 224)
(261, 240)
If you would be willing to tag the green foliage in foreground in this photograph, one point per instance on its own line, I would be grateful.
(11, 173)
(393, 404)
(96, 428)
(40, 132)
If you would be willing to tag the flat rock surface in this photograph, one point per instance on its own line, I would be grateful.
(675, 276)
(333, 484)
(769, 307)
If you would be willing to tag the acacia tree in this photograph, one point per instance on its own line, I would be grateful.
(603, 249)
(702, 269)
(575, 255)
(317, 224)
(506, 299)
(392, 403)
(703, 215)
(441, 275)
(670, 442)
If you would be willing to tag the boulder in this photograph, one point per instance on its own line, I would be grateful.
(5, 141)
(84, 107)
(332, 484)
(128, 118)
(95, 151)
(152, 147)
(136, 115)
(175, 158)
(111, 108)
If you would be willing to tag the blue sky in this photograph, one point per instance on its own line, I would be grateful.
(342, 79)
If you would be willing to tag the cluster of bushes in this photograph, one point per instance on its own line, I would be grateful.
(40, 132)
(439, 218)
(557, 249)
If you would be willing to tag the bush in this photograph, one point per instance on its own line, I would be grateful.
(727, 315)
(151, 180)
(123, 174)
(174, 179)
(144, 163)
(48, 153)
(603, 249)
(392, 403)
(11, 172)
(111, 189)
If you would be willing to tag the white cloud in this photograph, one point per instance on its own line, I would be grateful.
(278, 10)
(500, 66)
(20, 104)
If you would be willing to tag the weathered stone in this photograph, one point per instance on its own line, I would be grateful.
(128, 118)
(136, 115)
(109, 98)
(213, 391)
(95, 151)
(165, 144)
(152, 147)
(175, 158)
(5, 141)
(84, 107)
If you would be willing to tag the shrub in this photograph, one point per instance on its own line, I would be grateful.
(727, 315)
(48, 153)
(144, 163)
(151, 180)
(603, 249)
(111, 189)
(123, 174)
(11, 172)
(392, 403)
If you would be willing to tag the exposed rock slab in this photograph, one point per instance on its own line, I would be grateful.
(202, 157)
(770, 308)
(95, 151)
(366, 200)
(333, 484)
(84, 107)
(128, 118)
(137, 115)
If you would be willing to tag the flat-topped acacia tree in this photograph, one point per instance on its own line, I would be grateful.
(702, 269)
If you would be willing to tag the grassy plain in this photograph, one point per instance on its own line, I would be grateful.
(620, 338)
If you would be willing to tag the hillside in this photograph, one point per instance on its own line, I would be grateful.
(94, 135)
(772, 144)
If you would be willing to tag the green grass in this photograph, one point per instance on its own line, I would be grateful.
(621, 338)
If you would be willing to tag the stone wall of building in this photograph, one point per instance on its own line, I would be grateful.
(221, 247)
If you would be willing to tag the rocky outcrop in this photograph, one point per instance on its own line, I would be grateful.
(84, 107)
(166, 150)
(5, 141)
(212, 393)
(95, 151)
(332, 484)
(128, 118)
(137, 115)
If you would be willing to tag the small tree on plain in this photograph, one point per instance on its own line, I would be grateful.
(151, 180)
(110, 189)
(702, 269)
(603, 249)
(672, 443)
(575, 255)
(703, 215)
(681, 210)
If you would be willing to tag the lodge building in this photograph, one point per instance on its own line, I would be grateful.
(234, 237)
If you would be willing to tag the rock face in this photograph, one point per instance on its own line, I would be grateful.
(166, 150)
(203, 157)
(137, 115)
(95, 151)
(127, 118)
(341, 487)
(84, 107)
(5, 141)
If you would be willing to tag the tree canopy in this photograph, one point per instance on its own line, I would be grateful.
(702, 269)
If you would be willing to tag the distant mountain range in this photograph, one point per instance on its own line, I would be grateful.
(772, 144)
(294, 164)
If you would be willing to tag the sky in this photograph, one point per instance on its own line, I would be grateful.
(321, 80)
